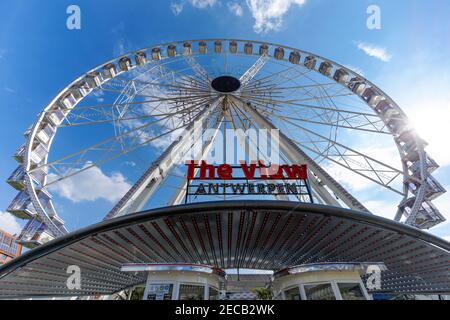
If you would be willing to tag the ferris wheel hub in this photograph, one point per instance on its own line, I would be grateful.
(226, 84)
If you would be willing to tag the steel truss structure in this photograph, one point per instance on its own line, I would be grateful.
(317, 104)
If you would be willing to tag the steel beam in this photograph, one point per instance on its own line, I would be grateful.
(253, 70)
(181, 193)
(135, 199)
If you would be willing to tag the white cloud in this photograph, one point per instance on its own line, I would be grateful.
(119, 47)
(268, 14)
(130, 163)
(9, 223)
(235, 8)
(202, 4)
(91, 185)
(349, 179)
(447, 238)
(165, 141)
(10, 90)
(176, 8)
(382, 208)
(118, 32)
(375, 51)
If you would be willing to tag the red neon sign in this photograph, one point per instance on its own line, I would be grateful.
(225, 171)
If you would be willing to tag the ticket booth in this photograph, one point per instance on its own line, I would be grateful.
(324, 281)
(180, 281)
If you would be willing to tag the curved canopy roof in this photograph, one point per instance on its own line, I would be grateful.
(270, 235)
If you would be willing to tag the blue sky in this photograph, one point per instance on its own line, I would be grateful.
(407, 58)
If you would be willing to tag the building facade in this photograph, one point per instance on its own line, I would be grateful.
(9, 248)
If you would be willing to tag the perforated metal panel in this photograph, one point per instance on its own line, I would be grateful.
(268, 235)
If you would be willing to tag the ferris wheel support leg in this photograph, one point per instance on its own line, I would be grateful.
(181, 193)
(253, 70)
(199, 70)
(293, 152)
(135, 199)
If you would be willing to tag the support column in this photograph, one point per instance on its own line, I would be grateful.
(180, 193)
(135, 199)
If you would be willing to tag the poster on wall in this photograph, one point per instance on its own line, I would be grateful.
(159, 292)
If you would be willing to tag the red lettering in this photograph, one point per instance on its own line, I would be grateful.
(262, 169)
(207, 170)
(275, 172)
(191, 169)
(249, 172)
(225, 172)
(296, 171)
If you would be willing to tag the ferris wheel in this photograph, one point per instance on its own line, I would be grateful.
(133, 107)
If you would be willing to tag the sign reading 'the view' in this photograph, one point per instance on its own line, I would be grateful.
(257, 179)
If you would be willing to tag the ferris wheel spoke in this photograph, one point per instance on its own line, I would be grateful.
(309, 106)
(174, 98)
(309, 116)
(199, 70)
(155, 99)
(303, 90)
(88, 115)
(305, 86)
(102, 145)
(112, 105)
(175, 86)
(187, 96)
(293, 101)
(356, 161)
(330, 102)
(241, 120)
(192, 80)
(315, 141)
(248, 120)
(185, 113)
(180, 74)
(145, 86)
(111, 153)
(191, 83)
(380, 176)
(163, 76)
(280, 77)
(157, 72)
(328, 116)
(352, 122)
(139, 135)
(108, 119)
